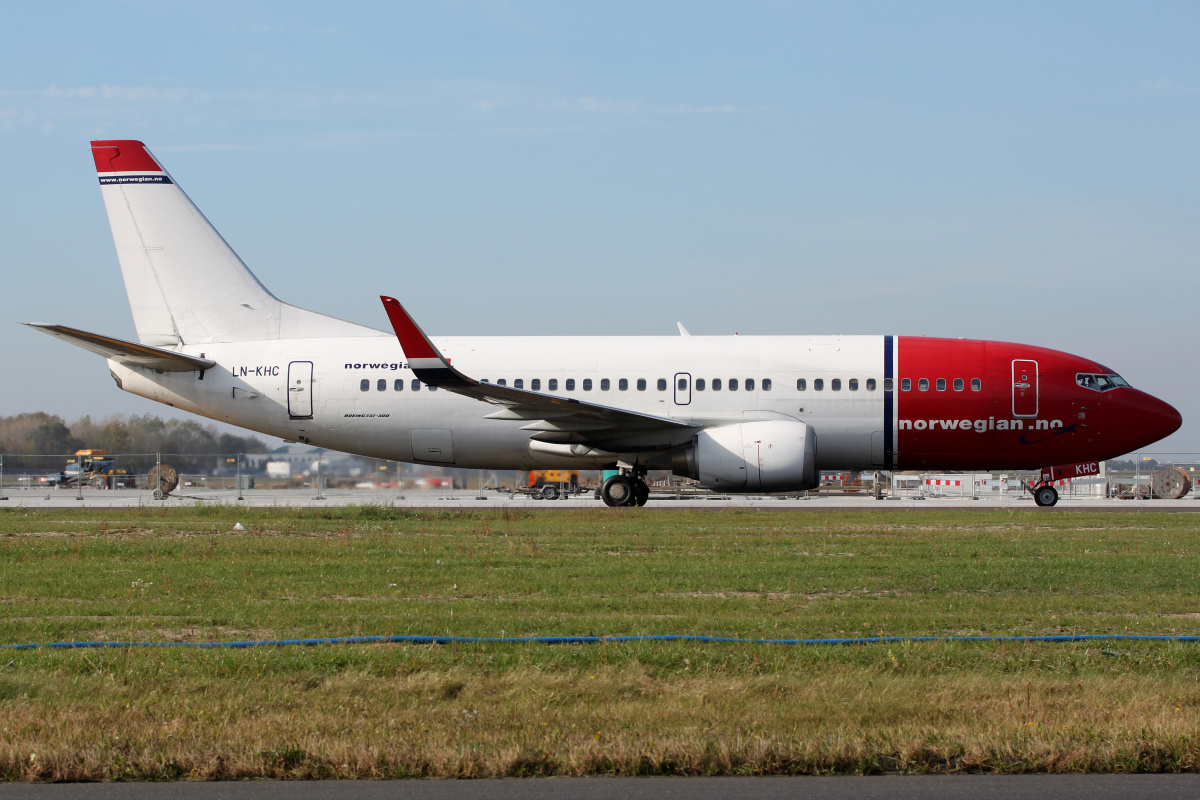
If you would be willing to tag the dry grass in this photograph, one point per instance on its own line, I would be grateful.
(616, 720)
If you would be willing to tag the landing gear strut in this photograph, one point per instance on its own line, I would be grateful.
(1045, 495)
(627, 489)
(641, 491)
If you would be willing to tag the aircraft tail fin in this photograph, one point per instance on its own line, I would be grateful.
(185, 284)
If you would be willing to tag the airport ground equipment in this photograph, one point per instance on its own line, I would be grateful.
(549, 484)
(93, 468)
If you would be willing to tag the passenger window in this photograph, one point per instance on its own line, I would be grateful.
(502, 382)
(958, 384)
(604, 384)
(766, 384)
(733, 384)
(587, 384)
(923, 385)
(818, 384)
(749, 384)
(381, 385)
(570, 384)
(552, 384)
(416, 385)
(641, 384)
(887, 384)
(976, 385)
(699, 384)
(682, 384)
(853, 385)
(431, 388)
(801, 384)
(518, 383)
(535, 384)
(364, 385)
(716, 384)
(941, 384)
(662, 384)
(871, 385)
(398, 385)
(623, 385)
(836, 384)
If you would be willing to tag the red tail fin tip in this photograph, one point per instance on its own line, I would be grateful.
(123, 155)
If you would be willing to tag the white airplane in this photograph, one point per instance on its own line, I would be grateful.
(736, 413)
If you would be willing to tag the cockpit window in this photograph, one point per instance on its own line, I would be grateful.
(1099, 382)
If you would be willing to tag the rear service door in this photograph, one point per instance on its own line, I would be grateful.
(1025, 388)
(683, 388)
(299, 393)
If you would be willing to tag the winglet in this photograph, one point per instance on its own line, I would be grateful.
(425, 360)
(420, 352)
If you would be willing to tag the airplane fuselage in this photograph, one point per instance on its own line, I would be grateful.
(875, 402)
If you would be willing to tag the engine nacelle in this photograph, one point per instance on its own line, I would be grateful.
(774, 456)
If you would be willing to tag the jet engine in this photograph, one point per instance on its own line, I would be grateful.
(774, 456)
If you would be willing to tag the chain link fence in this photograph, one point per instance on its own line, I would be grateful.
(1140, 476)
(91, 472)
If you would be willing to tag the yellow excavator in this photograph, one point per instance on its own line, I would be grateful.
(96, 469)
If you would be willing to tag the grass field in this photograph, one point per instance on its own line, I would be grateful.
(639, 708)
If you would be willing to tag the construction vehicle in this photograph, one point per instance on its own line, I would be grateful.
(93, 468)
(549, 484)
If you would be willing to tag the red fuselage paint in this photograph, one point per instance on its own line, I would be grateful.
(1028, 413)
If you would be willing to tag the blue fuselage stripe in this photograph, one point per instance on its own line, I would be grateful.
(888, 385)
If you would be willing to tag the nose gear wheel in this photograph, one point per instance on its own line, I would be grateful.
(1045, 495)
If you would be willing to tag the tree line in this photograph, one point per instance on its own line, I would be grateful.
(38, 432)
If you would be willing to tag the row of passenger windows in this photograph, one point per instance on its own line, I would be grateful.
(923, 385)
(732, 383)
(716, 384)
(535, 384)
(835, 384)
(397, 385)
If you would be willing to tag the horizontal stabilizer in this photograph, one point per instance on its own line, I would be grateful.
(137, 355)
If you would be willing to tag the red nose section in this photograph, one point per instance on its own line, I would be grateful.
(1151, 419)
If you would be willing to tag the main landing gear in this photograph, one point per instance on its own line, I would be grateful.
(1045, 495)
(626, 489)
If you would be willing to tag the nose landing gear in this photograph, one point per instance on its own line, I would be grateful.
(626, 489)
(1045, 495)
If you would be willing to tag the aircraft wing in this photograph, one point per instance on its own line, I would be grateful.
(550, 416)
(137, 355)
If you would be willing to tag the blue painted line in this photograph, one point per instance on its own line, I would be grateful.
(1086, 637)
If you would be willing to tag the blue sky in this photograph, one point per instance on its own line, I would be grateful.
(1018, 171)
